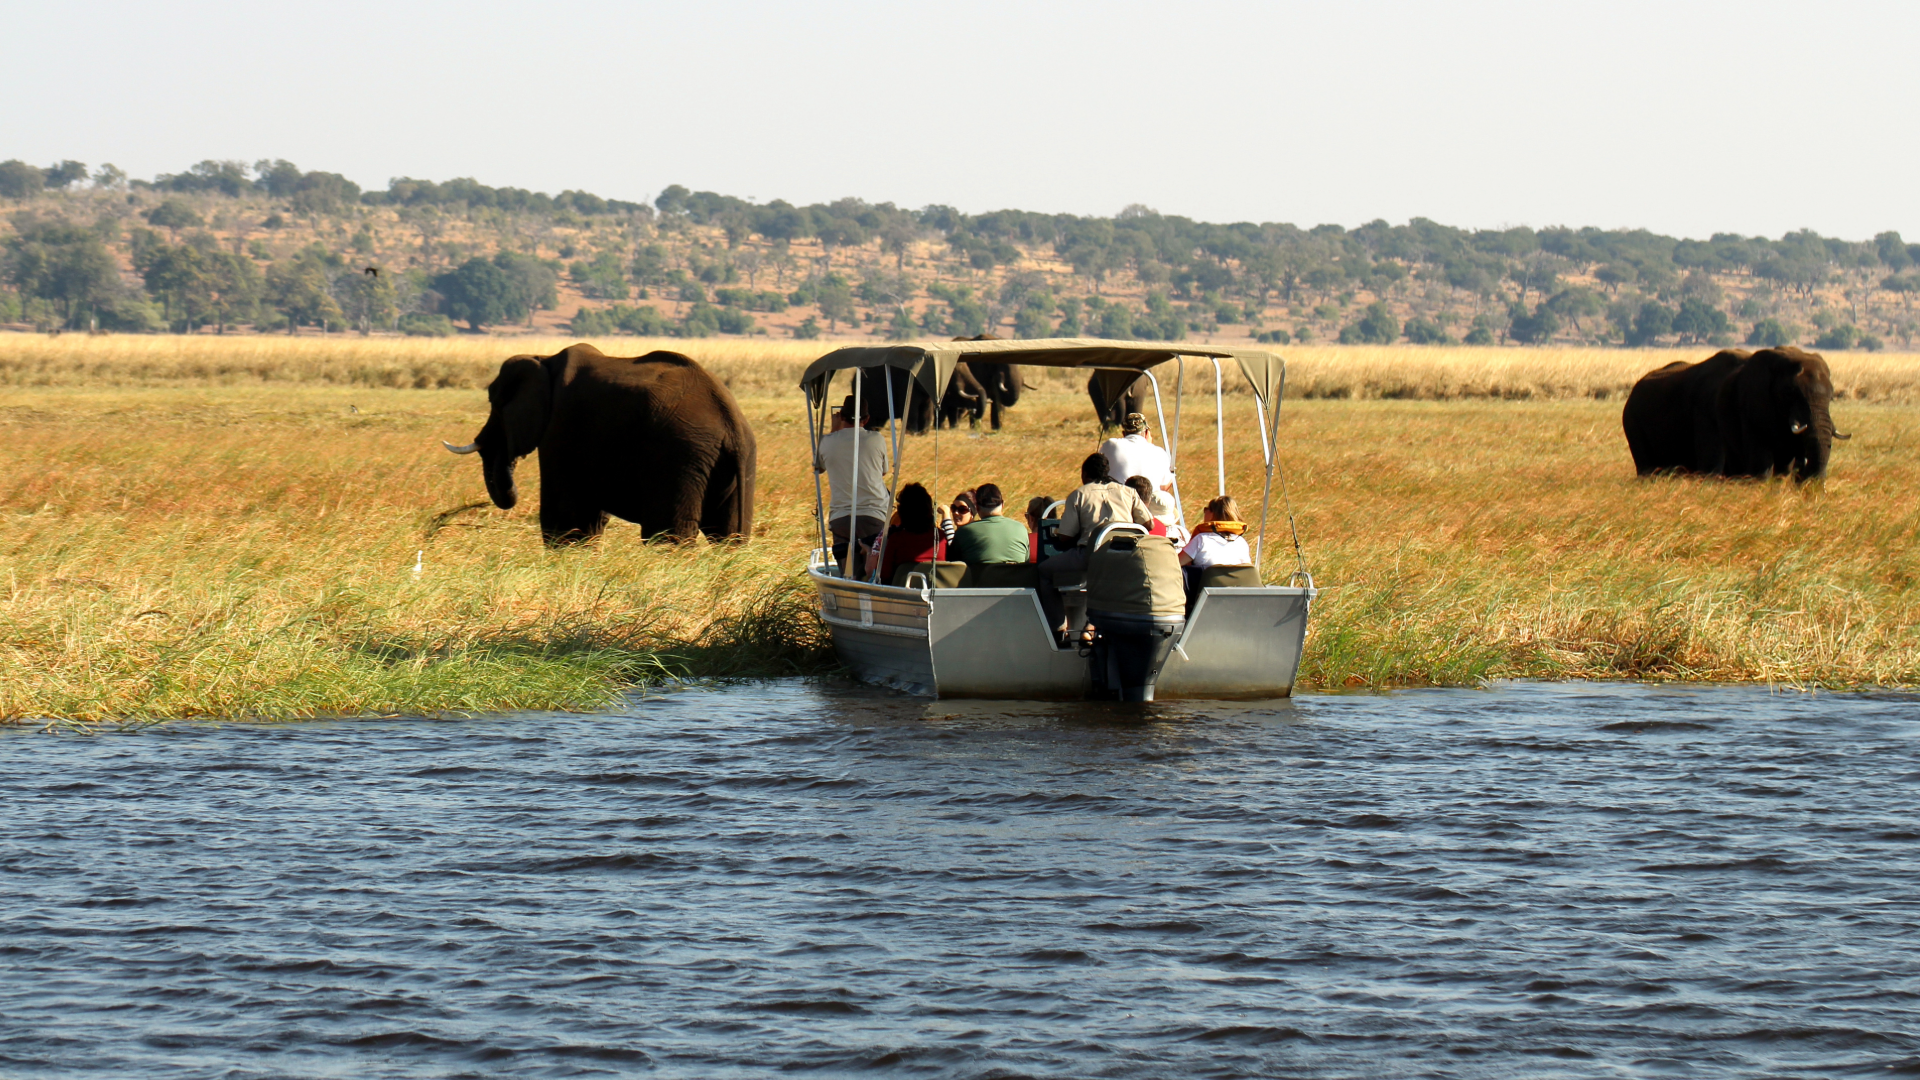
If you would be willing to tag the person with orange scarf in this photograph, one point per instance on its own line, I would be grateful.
(1219, 539)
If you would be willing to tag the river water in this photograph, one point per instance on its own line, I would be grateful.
(1569, 880)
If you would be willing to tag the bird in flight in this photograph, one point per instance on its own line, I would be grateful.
(371, 271)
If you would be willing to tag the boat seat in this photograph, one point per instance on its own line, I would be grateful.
(1230, 577)
(1219, 577)
(943, 575)
(1008, 575)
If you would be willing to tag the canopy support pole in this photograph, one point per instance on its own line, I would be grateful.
(1160, 412)
(893, 490)
(853, 504)
(1272, 421)
(1179, 388)
(1219, 429)
(815, 421)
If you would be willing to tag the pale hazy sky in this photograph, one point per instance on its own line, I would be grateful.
(1686, 118)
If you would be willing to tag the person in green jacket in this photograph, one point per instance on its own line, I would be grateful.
(994, 537)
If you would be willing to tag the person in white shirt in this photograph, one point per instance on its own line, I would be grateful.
(1219, 539)
(1164, 512)
(835, 458)
(1133, 454)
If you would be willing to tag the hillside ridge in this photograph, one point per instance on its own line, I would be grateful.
(229, 248)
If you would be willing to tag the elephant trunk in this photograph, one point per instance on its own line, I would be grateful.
(1822, 440)
(498, 472)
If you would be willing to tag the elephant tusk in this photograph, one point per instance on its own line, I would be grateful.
(1838, 435)
(467, 449)
(1796, 427)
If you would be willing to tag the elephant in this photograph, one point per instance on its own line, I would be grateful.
(1736, 413)
(653, 439)
(1001, 383)
(975, 386)
(1113, 410)
(965, 396)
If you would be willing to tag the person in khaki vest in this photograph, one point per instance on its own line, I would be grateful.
(1098, 501)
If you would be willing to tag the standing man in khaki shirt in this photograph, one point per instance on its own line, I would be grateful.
(1097, 502)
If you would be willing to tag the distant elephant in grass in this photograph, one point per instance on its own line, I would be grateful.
(1001, 383)
(653, 439)
(1736, 413)
(1111, 412)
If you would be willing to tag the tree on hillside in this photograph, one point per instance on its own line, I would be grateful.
(1769, 334)
(1699, 321)
(173, 215)
(365, 300)
(1575, 304)
(19, 180)
(65, 175)
(1034, 317)
(1419, 331)
(600, 277)
(479, 293)
(1892, 251)
(1376, 326)
(62, 263)
(1614, 275)
(1536, 328)
(226, 177)
(835, 300)
(1652, 320)
(534, 284)
(301, 289)
(672, 199)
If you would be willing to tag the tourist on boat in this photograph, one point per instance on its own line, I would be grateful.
(1219, 540)
(1161, 504)
(1036, 514)
(835, 458)
(994, 538)
(1097, 502)
(1144, 488)
(965, 511)
(915, 539)
(1133, 454)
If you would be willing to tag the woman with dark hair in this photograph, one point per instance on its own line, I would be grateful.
(963, 511)
(916, 538)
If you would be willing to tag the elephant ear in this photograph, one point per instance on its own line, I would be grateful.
(522, 398)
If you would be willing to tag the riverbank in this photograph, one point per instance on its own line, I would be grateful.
(249, 549)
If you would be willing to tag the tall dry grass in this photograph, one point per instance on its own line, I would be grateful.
(772, 367)
(246, 549)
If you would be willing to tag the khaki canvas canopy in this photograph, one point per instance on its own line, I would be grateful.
(1117, 363)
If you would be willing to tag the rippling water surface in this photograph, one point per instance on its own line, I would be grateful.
(1531, 881)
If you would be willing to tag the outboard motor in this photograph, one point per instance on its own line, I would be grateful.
(1137, 605)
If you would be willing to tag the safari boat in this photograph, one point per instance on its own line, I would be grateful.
(943, 635)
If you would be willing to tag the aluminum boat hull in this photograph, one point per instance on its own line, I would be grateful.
(1239, 643)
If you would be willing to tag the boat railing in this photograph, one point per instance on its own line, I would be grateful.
(1111, 527)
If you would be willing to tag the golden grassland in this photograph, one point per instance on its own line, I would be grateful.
(755, 366)
(226, 541)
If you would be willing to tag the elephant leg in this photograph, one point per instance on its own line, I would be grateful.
(563, 524)
(997, 410)
(724, 503)
(570, 513)
(688, 503)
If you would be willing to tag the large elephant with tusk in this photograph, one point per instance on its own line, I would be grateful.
(653, 439)
(1736, 413)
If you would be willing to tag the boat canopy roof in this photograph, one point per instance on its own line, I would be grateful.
(1117, 363)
